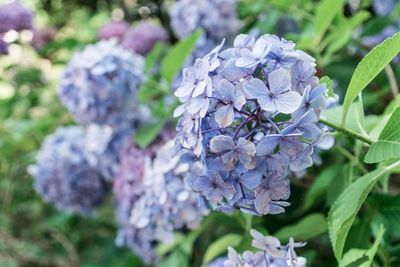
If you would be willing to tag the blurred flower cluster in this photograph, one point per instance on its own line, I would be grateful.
(139, 39)
(64, 177)
(100, 85)
(152, 200)
(250, 116)
(271, 253)
(13, 17)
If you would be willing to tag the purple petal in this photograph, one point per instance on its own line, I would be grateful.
(279, 81)
(262, 202)
(221, 143)
(288, 102)
(224, 116)
(256, 88)
(268, 144)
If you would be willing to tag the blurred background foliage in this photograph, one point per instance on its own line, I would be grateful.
(33, 233)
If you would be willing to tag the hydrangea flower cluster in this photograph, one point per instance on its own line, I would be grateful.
(250, 116)
(3, 47)
(64, 177)
(163, 206)
(271, 253)
(142, 38)
(103, 146)
(383, 7)
(100, 85)
(113, 29)
(14, 16)
(217, 18)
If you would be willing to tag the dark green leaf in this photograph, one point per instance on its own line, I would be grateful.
(308, 227)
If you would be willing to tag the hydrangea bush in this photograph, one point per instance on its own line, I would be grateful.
(113, 29)
(270, 253)
(152, 200)
(64, 177)
(100, 85)
(250, 115)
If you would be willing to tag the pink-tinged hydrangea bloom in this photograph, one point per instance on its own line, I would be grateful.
(14, 16)
(249, 114)
(42, 36)
(142, 38)
(152, 200)
(113, 29)
(64, 177)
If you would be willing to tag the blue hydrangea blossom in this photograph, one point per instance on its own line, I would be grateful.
(249, 115)
(100, 85)
(165, 205)
(64, 177)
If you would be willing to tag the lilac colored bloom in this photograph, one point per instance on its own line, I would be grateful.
(164, 205)
(103, 146)
(64, 177)
(100, 85)
(113, 29)
(142, 38)
(250, 124)
(271, 253)
(3, 47)
(43, 36)
(14, 16)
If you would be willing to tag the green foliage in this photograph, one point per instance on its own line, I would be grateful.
(220, 246)
(325, 13)
(307, 228)
(177, 55)
(371, 65)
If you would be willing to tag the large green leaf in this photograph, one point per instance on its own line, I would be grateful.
(220, 246)
(371, 65)
(320, 185)
(362, 257)
(346, 207)
(382, 150)
(325, 13)
(388, 145)
(309, 227)
(177, 55)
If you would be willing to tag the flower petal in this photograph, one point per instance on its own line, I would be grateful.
(221, 143)
(288, 102)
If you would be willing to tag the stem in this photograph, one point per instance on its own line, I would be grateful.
(347, 131)
(352, 158)
(392, 80)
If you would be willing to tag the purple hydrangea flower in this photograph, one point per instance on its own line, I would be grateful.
(103, 146)
(164, 205)
(113, 29)
(100, 85)
(43, 36)
(142, 38)
(14, 16)
(3, 47)
(271, 253)
(249, 114)
(64, 177)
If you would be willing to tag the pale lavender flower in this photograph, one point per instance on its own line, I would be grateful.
(250, 124)
(271, 253)
(142, 38)
(64, 177)
(100, 85)
(3, 47)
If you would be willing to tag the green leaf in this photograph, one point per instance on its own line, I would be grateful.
(177, 55)
(220, 246)
(346, 207)
(388, 146)
(381, 151)
(325, 13)
(320, 185)
(309, 227)
(392, 130)
(329, 85)
(362, 257)
(369, 67)
(148, 133)
(177, 258)
(154, 56)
